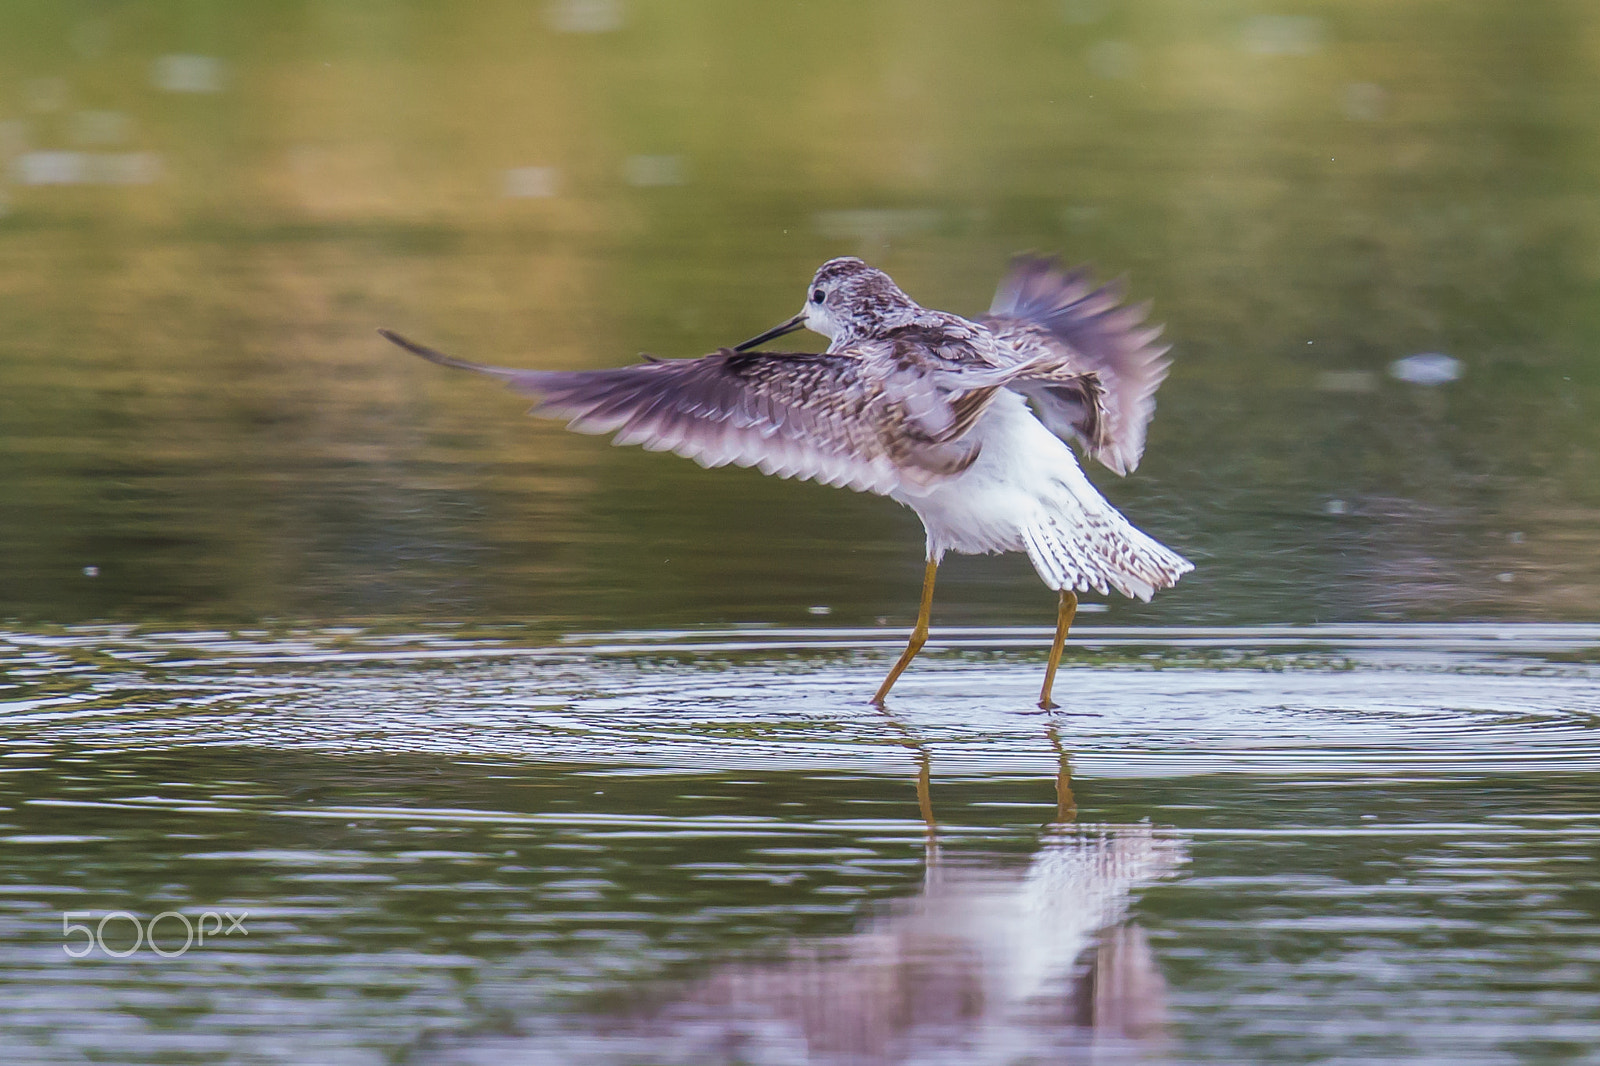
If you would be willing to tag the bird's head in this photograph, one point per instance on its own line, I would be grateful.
(846, 299)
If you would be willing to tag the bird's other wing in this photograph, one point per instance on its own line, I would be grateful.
(1071, 403)
(1041, 307)
(856, 418)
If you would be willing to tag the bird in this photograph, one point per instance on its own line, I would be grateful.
(923, 406)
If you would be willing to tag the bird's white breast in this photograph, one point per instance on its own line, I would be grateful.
(1020, 469)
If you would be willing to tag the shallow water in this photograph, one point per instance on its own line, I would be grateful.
(1291, 844)
(501, 744)
(201, 427)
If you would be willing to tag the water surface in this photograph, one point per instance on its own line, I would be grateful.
(513, 746)
(206, 210)
(1284, 845)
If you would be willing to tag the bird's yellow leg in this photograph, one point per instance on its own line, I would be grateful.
(1064, 616)
(919, 635)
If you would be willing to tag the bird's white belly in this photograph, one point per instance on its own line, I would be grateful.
(1021, 467)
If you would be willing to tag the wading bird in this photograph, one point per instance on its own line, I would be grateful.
(925, 407)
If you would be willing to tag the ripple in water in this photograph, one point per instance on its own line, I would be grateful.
(1278, 700)
(1272, 845)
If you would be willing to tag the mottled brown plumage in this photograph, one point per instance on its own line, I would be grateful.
(1039, 308)
(922, 406)
(879, 416)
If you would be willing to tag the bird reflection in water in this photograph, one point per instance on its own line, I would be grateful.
(992, 962)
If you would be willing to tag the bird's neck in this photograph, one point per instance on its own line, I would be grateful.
(877, 322)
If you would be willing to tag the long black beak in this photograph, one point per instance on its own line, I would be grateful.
(776, 331)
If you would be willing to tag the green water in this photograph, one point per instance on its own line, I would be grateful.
(192, 398)
(516, 747)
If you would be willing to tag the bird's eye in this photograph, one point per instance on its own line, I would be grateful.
(818, 296)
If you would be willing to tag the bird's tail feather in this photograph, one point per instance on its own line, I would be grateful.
(1099, 549)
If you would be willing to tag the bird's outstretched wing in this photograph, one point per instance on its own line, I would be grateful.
(859, 418)
(1039, 308)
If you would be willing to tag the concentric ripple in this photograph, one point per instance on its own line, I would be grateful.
(1277, 700)
(1265, 845)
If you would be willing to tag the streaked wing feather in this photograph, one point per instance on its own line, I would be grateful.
(858, 417)
(1040, 306)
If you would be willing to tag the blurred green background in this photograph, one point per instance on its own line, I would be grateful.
(206, 209)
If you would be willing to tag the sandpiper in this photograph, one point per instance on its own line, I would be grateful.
(925, 407)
